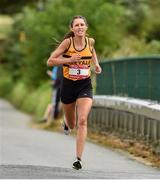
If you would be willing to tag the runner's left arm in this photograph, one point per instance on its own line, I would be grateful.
(98, 69)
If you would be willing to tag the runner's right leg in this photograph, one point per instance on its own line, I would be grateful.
(70, 114)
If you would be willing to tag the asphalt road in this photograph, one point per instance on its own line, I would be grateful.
(27, 153)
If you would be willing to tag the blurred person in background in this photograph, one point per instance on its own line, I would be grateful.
(53, 109)
(76, 53)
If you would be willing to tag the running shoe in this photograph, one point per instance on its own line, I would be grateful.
(77, 164)
(66, 130)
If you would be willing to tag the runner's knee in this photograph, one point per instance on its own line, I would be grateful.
(82, 121)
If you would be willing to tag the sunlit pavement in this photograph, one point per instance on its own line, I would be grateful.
(32, 153)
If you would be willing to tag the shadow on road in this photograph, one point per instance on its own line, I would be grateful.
(43, 172)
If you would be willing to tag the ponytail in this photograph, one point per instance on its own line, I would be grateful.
(68, 35)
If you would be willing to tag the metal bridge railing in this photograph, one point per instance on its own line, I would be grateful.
(132, 118)
(137, 77)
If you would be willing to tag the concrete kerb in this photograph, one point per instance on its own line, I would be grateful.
(150, 109)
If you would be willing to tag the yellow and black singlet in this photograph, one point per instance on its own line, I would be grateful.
(81, 69)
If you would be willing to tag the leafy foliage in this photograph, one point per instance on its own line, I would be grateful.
(120, 27)
(14, 6)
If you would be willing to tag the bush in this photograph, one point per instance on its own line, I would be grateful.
(33, 102)
(37, 101)
(131, 46)
(18, 94)
(6, 84)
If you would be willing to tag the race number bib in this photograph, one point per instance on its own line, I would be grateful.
(78, 71)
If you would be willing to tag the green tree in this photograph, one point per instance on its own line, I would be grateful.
(15, 6)
(111, 23)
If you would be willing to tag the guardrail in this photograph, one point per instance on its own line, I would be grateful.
(137, 77)
(132, 118)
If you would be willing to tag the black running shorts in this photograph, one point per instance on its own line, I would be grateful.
(72, 90)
